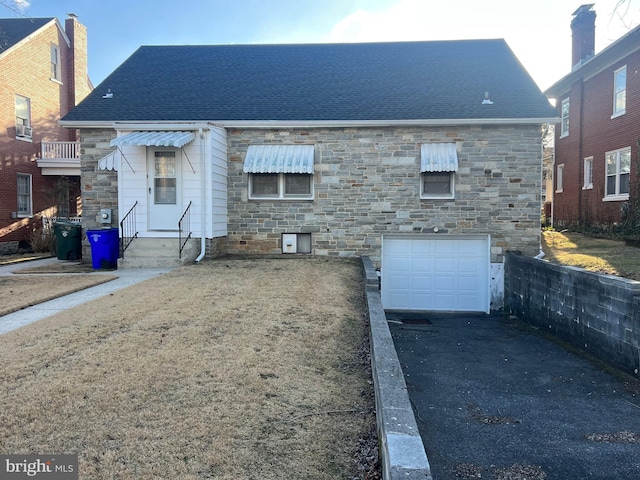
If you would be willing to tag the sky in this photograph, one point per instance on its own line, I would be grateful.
(538, 31)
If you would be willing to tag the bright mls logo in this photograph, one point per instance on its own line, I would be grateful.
(50, 467)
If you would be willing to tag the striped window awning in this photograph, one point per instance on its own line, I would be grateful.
(176, 139)
(279, 159)
(111, 161)
(438, 157)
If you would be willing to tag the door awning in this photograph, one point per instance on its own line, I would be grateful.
(176, 139)
(279, 159)
(438, 157)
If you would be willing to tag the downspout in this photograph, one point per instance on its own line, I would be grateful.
(203, 189)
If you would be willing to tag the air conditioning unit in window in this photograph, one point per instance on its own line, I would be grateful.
(23, 131)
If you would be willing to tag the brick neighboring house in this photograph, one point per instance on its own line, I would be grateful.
(43, 74)
(596, 143)
(425, 156)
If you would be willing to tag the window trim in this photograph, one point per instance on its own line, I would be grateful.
(281, 196)
(587, 180)
(432, 196)
(25, 125)
(560, 178)
(564, 131)
(56, 67)
(616, 92)
(29, 213)
(615, 196)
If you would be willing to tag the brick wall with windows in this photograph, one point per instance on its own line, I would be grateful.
(367, 183)
(26, 70)
(601, 129)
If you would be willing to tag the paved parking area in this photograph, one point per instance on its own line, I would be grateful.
(493, 398)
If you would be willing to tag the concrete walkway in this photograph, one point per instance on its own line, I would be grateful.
(125, 279)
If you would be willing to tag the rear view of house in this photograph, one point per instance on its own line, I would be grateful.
(595, 175)
(43, 74)
(425, 156)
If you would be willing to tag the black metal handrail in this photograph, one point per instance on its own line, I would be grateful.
(127, 227)
(184, 225)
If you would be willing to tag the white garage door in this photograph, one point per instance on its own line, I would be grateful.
(435, 273)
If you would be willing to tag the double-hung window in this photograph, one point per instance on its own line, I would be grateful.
(564, 113)
(56, 74)
(438, 167)
(23, 118)
(25, 206)
(620, 91)
(280, 172)
(618, 165)
(588, 174)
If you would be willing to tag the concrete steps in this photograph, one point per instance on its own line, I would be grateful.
(158, 253)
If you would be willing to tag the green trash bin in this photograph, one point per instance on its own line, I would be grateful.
(68, 240)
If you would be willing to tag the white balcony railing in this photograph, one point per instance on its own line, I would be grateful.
(61, 150)
(60, 158)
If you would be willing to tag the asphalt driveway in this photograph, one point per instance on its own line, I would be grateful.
(495, 400)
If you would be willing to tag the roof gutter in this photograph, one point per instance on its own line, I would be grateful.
(160, 125)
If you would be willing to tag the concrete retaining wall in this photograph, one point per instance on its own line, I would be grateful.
(402, 453)
(597, 313)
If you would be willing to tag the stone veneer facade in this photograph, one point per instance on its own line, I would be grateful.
(99, 188)
(367, 183)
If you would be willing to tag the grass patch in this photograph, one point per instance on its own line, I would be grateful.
(599, 255)
(230, 369)
(18, 292)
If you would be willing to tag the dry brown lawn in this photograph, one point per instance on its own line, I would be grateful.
(600, 255)
(21, 291)
(232, 369)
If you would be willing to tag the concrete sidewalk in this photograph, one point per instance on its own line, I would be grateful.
(494, 399)
(29, 315)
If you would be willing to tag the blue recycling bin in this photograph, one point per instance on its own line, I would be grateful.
(105, 248)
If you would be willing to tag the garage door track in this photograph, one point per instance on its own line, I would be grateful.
(494, 399)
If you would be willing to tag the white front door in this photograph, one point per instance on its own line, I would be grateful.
(164, 189)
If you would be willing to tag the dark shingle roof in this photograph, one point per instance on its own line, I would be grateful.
(12, 30)
(309, 82)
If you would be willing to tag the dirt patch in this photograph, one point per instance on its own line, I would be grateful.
(251, 369)
(18, 292)
(57, 267)
(479, 416)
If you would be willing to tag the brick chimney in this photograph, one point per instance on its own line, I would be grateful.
(583, 33)
(80, 85)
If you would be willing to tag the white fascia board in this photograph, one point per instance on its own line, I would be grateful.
(306, 123)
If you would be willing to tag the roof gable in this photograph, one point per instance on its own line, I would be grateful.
(14, 30)
(616, 52)
(317, 82)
